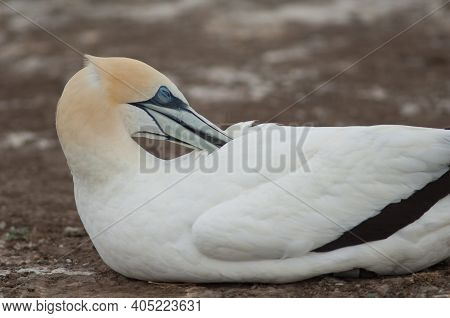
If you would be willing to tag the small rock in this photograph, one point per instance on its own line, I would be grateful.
(332, 280)
(68, 260)
(383, 289)
(2, 225)
(71, 231)
(17, 247)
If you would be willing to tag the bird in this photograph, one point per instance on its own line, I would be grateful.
(260, 203)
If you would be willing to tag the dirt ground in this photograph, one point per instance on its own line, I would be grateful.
(235, 60)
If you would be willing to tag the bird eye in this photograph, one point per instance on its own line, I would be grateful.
(164, 95)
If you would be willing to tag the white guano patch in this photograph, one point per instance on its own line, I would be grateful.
(302, 50)
(409, 109)
(331, 12)
(142, 12)
(376, 93)
(4, 272)
(229, 84)
(248, 19)
(47, 271)
(19, 139)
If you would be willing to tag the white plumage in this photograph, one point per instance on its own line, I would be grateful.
(245, 221)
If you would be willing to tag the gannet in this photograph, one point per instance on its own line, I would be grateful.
(373, 198)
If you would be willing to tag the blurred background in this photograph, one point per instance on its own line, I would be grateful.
(235, 60)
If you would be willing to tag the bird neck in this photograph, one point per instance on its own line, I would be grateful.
(98, 161)
(94, 139)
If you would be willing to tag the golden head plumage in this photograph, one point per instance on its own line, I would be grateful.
(112, 99)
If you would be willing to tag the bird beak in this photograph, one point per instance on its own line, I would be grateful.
(181, 124)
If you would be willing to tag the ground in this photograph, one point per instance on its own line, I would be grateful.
(235, 61)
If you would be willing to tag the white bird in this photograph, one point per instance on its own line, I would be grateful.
(374, 198)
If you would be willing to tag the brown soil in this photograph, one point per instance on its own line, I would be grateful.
(276, 62)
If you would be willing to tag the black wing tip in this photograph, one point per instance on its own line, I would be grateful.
(393, 217)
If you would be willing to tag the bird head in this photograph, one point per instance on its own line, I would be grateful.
(147, 103)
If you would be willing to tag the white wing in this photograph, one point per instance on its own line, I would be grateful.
(353, 174)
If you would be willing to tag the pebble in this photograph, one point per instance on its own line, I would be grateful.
(383, 289)
(2, 225)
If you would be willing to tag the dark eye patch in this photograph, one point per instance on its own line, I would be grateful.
(163, 96)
